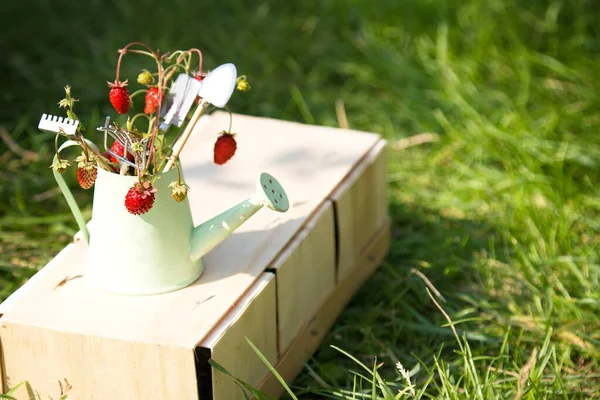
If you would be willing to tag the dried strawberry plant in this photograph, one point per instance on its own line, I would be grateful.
(144, 146)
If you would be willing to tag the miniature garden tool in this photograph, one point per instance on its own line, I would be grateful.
(216, 89)
(180, 100)
(123, 140)
(54, 124)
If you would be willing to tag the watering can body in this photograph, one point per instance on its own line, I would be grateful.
(145, 254)
(160, 251)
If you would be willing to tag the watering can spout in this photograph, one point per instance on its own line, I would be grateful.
(207, 235)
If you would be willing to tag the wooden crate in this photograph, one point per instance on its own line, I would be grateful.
(254, 317)
(273, 281)
(304, 345)
(305, 274)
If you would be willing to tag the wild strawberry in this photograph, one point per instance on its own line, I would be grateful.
(140, 198)
(153, 97)
(178, 191)
(87, 177)
(145, 78)
(118, 149)
(225, 147)
(87, 171)
(119, 97)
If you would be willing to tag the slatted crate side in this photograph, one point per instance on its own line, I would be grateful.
(304, 345)
(253, 317)
(96, 367)
(361, 207)
(305, 274)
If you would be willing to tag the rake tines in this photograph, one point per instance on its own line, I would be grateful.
(55, 124)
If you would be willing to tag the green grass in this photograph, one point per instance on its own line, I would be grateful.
(502, 215)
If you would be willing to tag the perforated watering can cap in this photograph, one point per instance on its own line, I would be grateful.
(272, 193)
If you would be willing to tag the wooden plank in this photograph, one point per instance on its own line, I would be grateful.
(361, 206)
(96, 367)
(309, 162)
(253, 317)
(292, 362)
(305, 274)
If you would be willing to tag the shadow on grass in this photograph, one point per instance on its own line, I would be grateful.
(392, 317)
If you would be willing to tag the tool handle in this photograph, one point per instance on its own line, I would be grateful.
(64, 188)
(178, 146)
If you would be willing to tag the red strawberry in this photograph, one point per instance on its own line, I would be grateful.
(86, 171)
(118, 149)
(140, 198)
(153, 97)
(225, 147)
(119, 97)
(87, 177)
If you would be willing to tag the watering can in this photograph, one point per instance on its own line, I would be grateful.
(162, 250)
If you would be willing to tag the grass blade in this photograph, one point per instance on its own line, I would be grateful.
(272, 369)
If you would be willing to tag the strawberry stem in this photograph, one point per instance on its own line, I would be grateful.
(171, 70)
(56, 145)
(200, 59)
(124, 50)
(230, 118)
(85, 149)
(146, 53)
(151, 123)
(137, 92)
(103, 162)
(161, 84)
(178, 170)
(136, 116)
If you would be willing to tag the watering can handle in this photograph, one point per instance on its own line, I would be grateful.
(67, 192)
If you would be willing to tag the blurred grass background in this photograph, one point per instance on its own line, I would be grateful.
(502, 214)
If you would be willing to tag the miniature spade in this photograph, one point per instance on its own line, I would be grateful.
(218, 85)
(216, 89)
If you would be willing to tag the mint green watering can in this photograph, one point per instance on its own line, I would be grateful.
(160, 251)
